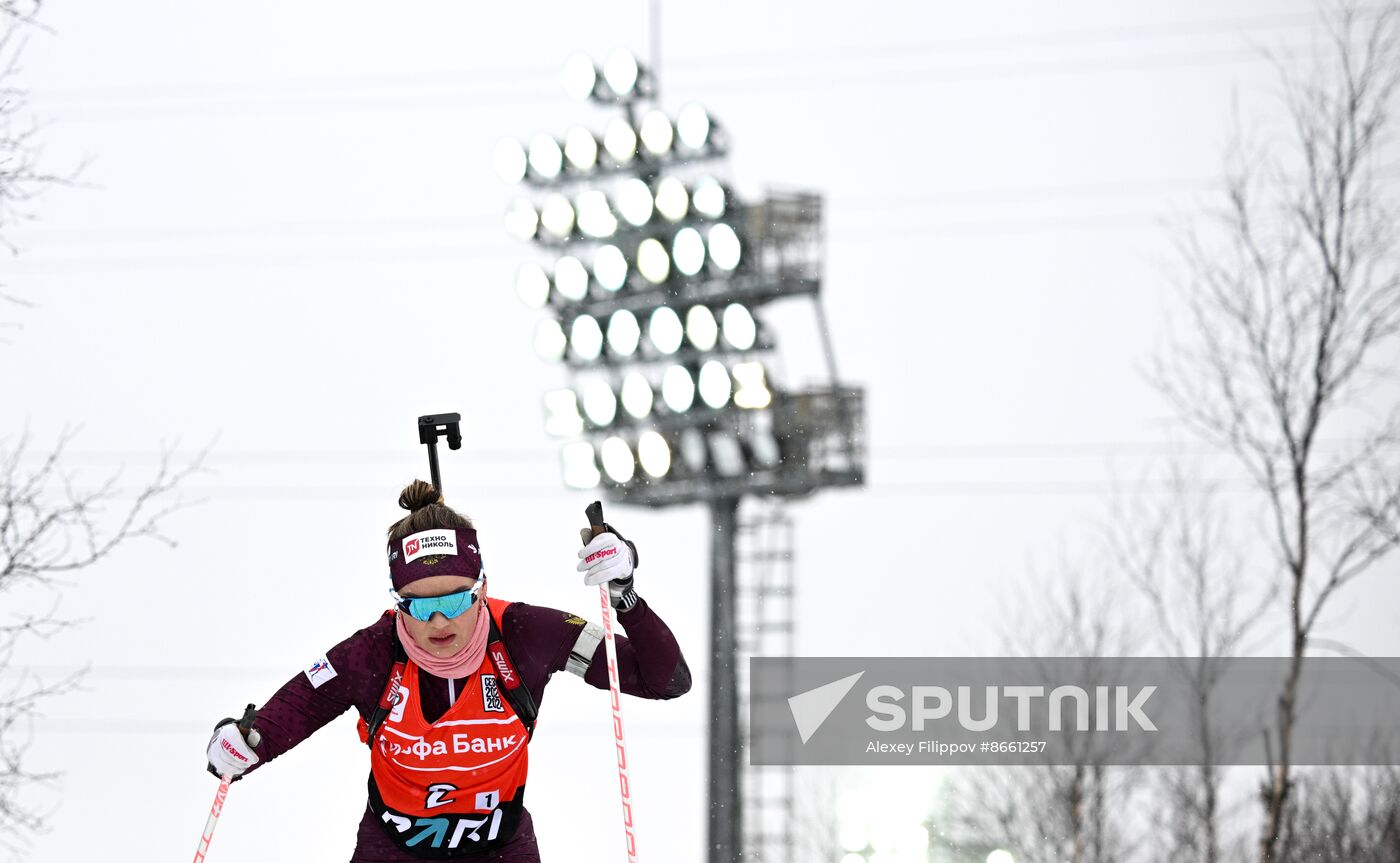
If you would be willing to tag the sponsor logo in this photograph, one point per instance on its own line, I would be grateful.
(393, 556)
(400, 701)
(321, 671)
(502, 662)
(474, 549)
(429, 542)
(602, 553)
(229, 748)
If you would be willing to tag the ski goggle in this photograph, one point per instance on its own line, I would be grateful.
(450, 605)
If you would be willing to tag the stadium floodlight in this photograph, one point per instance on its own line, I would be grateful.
(762, 443)
(750, 387)
(522, 220)
(595, 217)
(580, 466)
(621, 72)
(624, 333)
(637, 395)
(727, 453)
(738, 326)
(715, 385)
(617, 460)
(672, 200)
(701, 328)
(657, 133)
(665, 330)
(724, 247)
(570, 278)
(652, 261)
(532, 286)
(511, 161)
(693, 452)
(581, 149)
(693, 127)
(546, 159)
(557, 215)
(688, 250)
(599, 403)
(580, 77)
(654, 454)
(550, 341)
(709, 198)
(620, 140)
(677, 389)
(586, 337)
(610, 268)
(561, 416)
(634, 202)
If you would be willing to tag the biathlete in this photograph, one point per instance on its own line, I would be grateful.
(448, 683)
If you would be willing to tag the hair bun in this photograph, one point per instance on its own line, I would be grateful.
(418, 495)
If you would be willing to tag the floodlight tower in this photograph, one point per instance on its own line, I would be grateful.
(652, 275)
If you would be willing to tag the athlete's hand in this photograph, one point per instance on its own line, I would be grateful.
(229, 754)
(609, 558)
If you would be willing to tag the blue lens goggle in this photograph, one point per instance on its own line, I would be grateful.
(449, 605)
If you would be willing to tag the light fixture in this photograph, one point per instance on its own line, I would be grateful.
(570, 278)
(586, 337)
(693, 451)
(561, 416)
(677, 389)
(620, 140)
(623, 333)
(581, 149)
(595, 218)
(634, 202)
(580, 467)
(750, 387)
(762, 443)
(693, 127)
(550, 341)
(665, 330)
(672, 200)
(728, 455)
(652, 261)
(599, 403)
(580, 77)
(738, 327)
(621, 72)
(654, 454)
(688, 250)
(637, 395)
(522, 220)
(532, 286)
(557, 215)
(709, 198)
(700, 328)
(724, 247)
(714, 384)
(657, 134)
(546, 159)
(617, 460)
(511, 161)
(610, 267)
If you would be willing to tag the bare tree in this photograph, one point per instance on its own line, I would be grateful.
(1347, 815)
(1295, 303)
(1181, 554)
(51, 528)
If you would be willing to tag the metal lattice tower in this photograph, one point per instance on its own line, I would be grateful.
(766, 627)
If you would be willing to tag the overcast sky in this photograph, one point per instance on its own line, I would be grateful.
(289, 244)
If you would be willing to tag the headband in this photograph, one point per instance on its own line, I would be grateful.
(441, 551)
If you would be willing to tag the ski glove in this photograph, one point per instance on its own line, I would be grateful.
(229, 754)
(608, 557)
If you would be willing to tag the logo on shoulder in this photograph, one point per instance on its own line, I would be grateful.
(429, 542)
(574, 620)
(320, 672)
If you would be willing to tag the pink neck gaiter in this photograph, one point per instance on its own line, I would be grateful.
(464, 662)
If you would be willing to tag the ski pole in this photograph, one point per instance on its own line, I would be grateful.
(245, 726)
(430, 427)
(595, 521)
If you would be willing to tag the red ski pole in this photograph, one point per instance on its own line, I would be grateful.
(595, 520)
(245, 725)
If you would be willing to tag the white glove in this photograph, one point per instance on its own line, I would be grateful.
(609, 558)
(229, 754)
